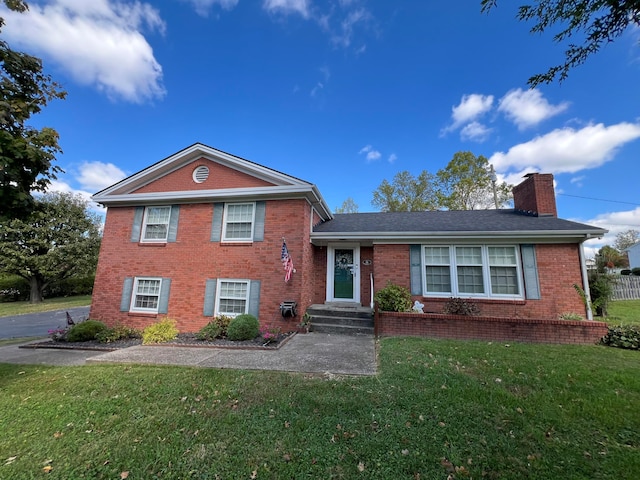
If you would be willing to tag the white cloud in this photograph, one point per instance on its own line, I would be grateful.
(470, 108)
(314, 91)
(615, 222)
(475, 131)
(527, 108)
(97, 176)
(344, 35)
(97, 42)
(286, 7)
(567, 150)
(203, 7)
(392, 158)
(371, 153)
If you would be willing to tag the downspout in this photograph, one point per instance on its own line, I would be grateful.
(371, 287)
(585, 281)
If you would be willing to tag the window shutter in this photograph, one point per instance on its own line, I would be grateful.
(173, 223)
(415, 260)
(127, 289)
(254, 298)
(216, 224)
(210, 297)
(258, 228)
(163, 301)
(530, 270)
(137, 225)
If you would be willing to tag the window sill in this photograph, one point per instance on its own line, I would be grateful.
(237, 243)
(144, 244)
(142, 314)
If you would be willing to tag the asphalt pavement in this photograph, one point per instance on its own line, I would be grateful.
(38, 324)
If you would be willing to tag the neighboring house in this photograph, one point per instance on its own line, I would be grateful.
(633, 253)
(200, 233)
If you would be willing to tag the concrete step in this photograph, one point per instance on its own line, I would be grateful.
(341, 329)
(347, 321)
(340, 310)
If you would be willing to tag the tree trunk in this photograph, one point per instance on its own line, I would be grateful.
(36, 290)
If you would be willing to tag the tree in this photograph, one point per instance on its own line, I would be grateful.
(348, 206)
(406, 193)
(468, 182)
(59, 239)
(626, 239)
(596, 22)
(26, 153)
(609, 258)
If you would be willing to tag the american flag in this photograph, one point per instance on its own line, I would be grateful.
(287, 262)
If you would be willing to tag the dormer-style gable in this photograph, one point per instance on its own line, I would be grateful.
(203, 174)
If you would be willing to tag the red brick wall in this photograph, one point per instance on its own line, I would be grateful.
(219, 177)
(489, 328)
(193, 258)
(536, 194)
(558, 270)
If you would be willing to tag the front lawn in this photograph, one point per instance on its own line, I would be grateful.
(624, 312)
(437, 408)
(9, 309)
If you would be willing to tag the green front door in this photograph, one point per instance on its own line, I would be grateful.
(343, 273)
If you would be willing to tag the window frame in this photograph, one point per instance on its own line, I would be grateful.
(225, 223)
(219, 296)
(486, 272)
(134, 295)
(145, 224)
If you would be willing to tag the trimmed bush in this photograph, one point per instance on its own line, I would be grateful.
(626, 271)
(635, 271)
(623, 336)
(13, 288)
(69, 287)
(210, 331)
(460, 306)
(85, 331)
(393, 298)
(119, 332)
(160, 332)
(243, 327)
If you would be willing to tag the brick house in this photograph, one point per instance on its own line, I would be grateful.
(200, 233)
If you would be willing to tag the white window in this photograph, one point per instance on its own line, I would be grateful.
(232, 297)
(155, 227)
(472, 271)
(239, 219)
(146, 295)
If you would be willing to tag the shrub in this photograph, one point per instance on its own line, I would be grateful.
(160, 332)
(216, 328)
(623, 336)
(243, 327)
(635, 271)
(393, 298)
(69, 287)
(460, 306)
(119, 332)
(626, 271)
(84, 331)
(570, 316)
(13, 288)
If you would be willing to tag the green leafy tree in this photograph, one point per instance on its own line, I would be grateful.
(468, 183)
(26, 153)
(609, 257)
(595, 22)
(348, 206)
(58, 240)
(406, 193)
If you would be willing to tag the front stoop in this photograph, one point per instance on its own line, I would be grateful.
(342, 318)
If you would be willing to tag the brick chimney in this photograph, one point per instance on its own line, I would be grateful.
(535, 195)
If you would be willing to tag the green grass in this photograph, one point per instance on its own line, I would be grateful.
(469, 409)
(9, 309)
(624, 312)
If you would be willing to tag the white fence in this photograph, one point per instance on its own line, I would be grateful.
(626, 287)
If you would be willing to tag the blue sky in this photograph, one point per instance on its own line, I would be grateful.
(342, 93)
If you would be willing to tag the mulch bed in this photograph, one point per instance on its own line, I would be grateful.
(183, 340)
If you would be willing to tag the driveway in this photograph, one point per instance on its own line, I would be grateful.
(38, 324)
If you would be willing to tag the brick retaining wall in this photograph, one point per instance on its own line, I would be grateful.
(488, 328)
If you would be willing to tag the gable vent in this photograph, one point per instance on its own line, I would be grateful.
(200, 174)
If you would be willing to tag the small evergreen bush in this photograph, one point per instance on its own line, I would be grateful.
(243, 327)
(160, 332)
(623, 336)
(393, 298)
(625, 271)
(85, 331)
(460, 306)
(119, 332)
(216, 328)
(635, 271)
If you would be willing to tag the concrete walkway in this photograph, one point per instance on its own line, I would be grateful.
(310, 353)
